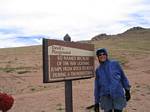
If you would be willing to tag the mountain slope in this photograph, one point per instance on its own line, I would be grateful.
(132, 32)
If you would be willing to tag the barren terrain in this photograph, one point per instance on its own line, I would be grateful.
(21, 76)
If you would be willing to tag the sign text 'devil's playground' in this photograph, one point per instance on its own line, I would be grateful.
(69, 60)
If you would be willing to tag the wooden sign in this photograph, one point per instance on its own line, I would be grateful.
(64, 60)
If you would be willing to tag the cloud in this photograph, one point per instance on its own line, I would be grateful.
(9, 30)
(21, 41)
(81, 19)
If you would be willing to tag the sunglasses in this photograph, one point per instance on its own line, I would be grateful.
(100, 54)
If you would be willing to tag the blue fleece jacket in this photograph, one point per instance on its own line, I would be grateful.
(110, 80)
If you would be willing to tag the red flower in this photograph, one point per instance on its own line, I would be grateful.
(6, 102)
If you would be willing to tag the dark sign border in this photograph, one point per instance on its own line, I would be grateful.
(45, 44)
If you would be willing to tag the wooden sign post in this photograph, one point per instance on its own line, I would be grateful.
(68, 87)
(67, 61)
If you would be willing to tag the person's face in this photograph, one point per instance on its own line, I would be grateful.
(102, 57)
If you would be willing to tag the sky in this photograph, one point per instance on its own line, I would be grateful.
(26, 22)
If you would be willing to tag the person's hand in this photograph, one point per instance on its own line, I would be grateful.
(96, 107)
(127, 94)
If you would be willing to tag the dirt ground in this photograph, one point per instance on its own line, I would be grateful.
(23, 80)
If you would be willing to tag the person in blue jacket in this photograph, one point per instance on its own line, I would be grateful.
(112, 88)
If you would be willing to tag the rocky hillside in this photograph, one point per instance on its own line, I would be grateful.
(132, 32)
